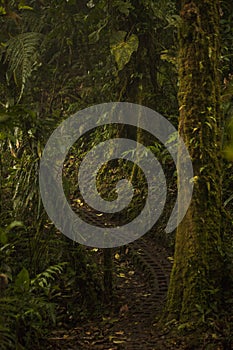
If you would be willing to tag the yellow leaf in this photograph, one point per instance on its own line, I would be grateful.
(122, 275)
(116, 341)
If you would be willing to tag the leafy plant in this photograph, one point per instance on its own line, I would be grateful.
(21, 55)
(28, 308)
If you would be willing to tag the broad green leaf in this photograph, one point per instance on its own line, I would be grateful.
(123, 6)
(15, 224)
(22, 281)
(228, 152)
(2, 10)
(3, 236)
(25, 7)
(122, 47)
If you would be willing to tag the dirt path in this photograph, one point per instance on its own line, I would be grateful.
(141, 283)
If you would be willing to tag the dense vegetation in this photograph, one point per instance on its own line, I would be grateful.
(58, 57)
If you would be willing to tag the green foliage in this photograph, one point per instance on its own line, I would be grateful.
(27, 311)
(228, 147)
(227, 37)
(58, 57)
(21, 56)
(44, 279)
(7, 317)
(4, 231)
(122, 47)
(22, 281)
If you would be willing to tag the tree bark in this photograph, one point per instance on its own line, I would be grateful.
(195, 285)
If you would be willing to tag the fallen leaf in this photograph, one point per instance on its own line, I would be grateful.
(124, 309)
(122, 275)
(131, 273)
(116, 341)
(120, 332)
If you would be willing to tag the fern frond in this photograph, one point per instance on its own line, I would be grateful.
(7, 318)
(7, 339)
(43, 278)
(21, 54)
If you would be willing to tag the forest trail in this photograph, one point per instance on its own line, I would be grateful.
(140, 292)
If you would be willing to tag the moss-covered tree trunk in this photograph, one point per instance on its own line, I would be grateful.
(195, 286)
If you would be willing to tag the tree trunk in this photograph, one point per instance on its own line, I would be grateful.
(195, 286)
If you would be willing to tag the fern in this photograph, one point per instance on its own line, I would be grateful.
(7, 318)
(43, 278)
(7, 339)
(21, 54)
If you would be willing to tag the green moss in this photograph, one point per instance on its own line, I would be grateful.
(195, 285)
